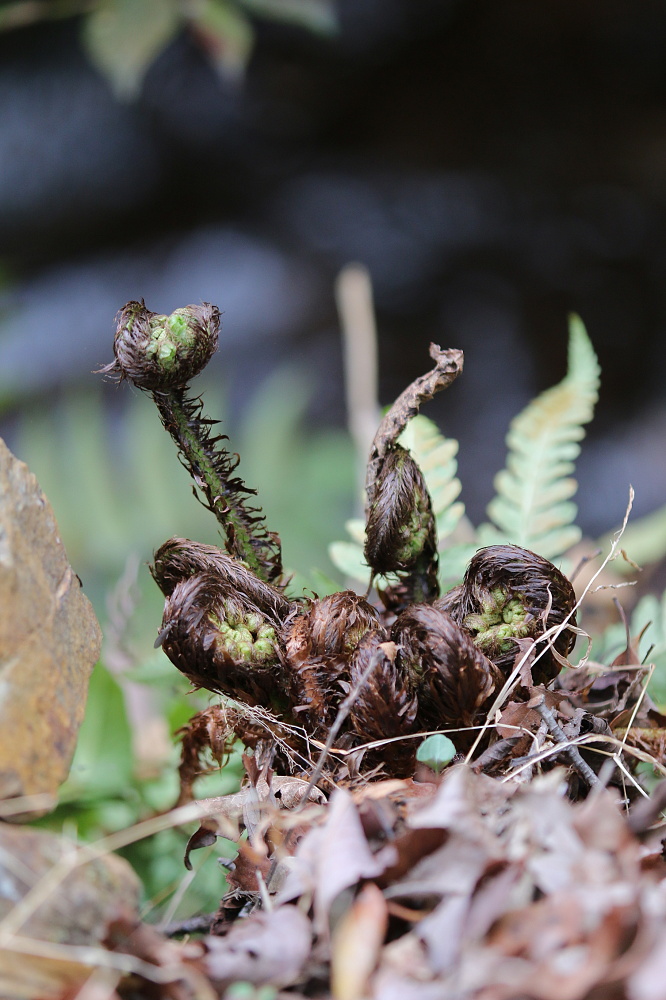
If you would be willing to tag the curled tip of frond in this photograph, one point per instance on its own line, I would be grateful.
(180, 559)
(221, 640)
(449, 362)
(160, 353)
(448, 365)
(509, 593)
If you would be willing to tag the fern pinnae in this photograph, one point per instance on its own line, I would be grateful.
(533, 506)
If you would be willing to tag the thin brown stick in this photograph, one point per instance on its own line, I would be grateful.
(353, 296)
(558, 734)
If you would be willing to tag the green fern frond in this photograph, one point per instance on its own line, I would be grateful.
(533, 506)
(349, 559)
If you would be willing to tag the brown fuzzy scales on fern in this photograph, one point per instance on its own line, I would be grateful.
(400, 526)
(222, 641)
(401, 534)
(159, 353)
(180, 558)
(509, 592)
(318, 646)
(448, 365)
(386, 705)
(454, 680)
(224, 494)
(206, 742)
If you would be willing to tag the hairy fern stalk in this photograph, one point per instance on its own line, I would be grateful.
(225, 494)
(160, 354)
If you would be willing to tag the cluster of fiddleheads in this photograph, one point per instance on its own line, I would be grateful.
(413, 662)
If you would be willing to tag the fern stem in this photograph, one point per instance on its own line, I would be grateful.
(212, 468)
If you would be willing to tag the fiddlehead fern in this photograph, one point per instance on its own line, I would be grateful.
(160, 354)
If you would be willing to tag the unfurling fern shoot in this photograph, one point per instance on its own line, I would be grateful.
(160, 354)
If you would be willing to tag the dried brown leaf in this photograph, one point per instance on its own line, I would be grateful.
(356, 944)
(264, 948)
(333, 857)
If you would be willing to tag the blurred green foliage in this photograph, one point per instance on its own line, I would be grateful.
(118, 491)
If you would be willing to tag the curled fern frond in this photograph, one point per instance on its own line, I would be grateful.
(179, 559)
(222, 641)
(160, 354)
(401, 535)
(436, 457)
(533, 506)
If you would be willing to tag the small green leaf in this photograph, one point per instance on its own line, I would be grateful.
(349, 559)
(123, 37)
(436, 752)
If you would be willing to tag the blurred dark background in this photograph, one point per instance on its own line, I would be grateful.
(495, 165)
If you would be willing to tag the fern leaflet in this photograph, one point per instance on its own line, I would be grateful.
(533, 506)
